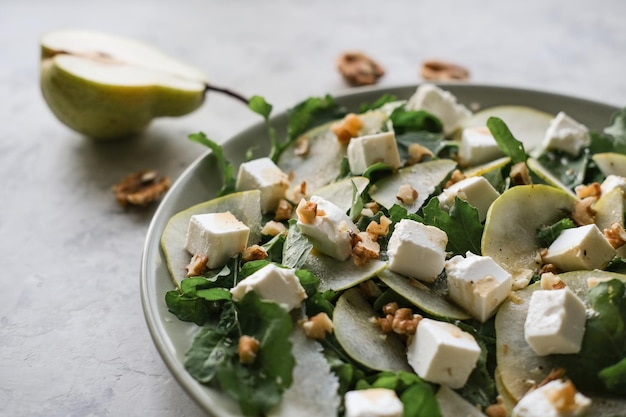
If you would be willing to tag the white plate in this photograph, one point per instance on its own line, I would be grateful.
(171, 336)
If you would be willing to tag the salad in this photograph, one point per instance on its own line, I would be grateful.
(359, 259)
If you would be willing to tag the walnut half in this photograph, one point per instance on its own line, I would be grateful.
(359, 69)
(141, 188)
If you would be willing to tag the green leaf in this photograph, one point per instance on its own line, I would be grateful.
(614, 377)
(570, 170)
(297, 247)
(357, 203)
(309, 281)
(404, 120)
(258, 105)
(617, 131)
(381, 101)
(507, 143)
(548, 234)
(214, 294)
(312, 112)
(192, 309)
(274, 248)
(226, 167)
(434, 142)
(251, 267)
(461, 224)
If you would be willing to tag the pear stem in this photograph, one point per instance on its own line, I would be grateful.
(227, 92)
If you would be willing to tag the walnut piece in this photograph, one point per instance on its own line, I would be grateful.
(302, 146)
(359, 69)
(318, 326)
(299, 191)
(549, 281)
(283, 210)
(616, 235)
(520, 174)
(347, 128)
(197, 266)
(306, 211)
(417, 153)
(496, 410)
(253, 253)
(583, 212)
(401, 321)
(437, 70)
(591, 190)
(407, 194)
(456, 176)
(273, 228)
(247, 349)
(141, 188)
(378, 229)
(364, 248)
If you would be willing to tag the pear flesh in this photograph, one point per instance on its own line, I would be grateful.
(109, 87)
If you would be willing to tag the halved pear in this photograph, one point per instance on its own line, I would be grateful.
(527, 124)
(108, 87)
(511, 226)
(611, 163)
(245, 206)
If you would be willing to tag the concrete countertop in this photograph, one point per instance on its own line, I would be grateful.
(73, 340)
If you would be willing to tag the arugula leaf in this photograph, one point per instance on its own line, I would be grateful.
(213, 358)
(226, 167)
(261, 107)
(312, 112)
(404, 120)
(381, 101)
(461, 224)
(614, 377)
(570, 170)
(297, 247)
(507, 143)
(434, 142)
(357, 203)
(617, 131)
(548, 234)
(274, 248)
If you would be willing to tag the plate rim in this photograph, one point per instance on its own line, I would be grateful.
(151, 250)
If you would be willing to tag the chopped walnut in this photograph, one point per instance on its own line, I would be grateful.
(591, 190)
(407, 194)
(273, 228)
(306, 211)
(302, 146)
(283, 210)
(372, 205)
(520, 174)
(550, 281)
(399, 320)
(555, 373)
(254, 253)
(496, 410)
(456, 176)
(593, 281)
(563, 399)
(417, 153)
(390, 308)
(436, 70)
(364, 248)
(378, 229)
(370, 290)
(141, 188)
(197, 266)
(347, 128)
(247, 349)
(616, 235)
(583, 212)
(548, 268)
(299, 191)
(318, 326)
(359, 69)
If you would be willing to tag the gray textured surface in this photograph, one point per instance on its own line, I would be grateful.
(73, 341)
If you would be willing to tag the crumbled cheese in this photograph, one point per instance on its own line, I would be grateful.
(477, 146)
(580, 248)
(373, 402)
(554, 399)
(477, 191)
(566, 134)
(264, 175)
(365, 151)
(440, 103)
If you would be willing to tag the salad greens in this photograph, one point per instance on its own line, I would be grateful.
(259, 387)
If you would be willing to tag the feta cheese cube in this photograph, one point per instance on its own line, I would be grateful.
(442, 353)
(477, 146)
(330, 231)
(612, 182)
(218, 236)
(555, 399)
(477, 191)
(364, 151)
(555, 322)
(417, 250)
(373, 402)
(566, 134)
(580, 248)
(274, 283)
(478, 284)
(264, 175)
(440, 103)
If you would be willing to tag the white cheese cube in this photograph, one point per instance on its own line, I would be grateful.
(373, 402)
(555, 399)
(273, 283)
(580, 248)
(477, 146)
(218, 236)
(330, 231)
(442, 353)
(566, 134)
(478, 284)
(440, 103)
(368, 150)
(612, 182)
(416, 250)
(264, 175)
(555, 322)
(477, 191)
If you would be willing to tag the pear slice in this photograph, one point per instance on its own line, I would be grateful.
(511, 226)
(340, 275)
(611, 163)
(538, 169)
(610, 209)
(108, 87)
(340, 193)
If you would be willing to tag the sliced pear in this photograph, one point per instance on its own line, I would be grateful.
(108, 87)
(611, 163)
(610, 209)
(452, 404)
(488, 167)
(245, 206)
(422, 296)
(518, 365)
(527, 124)
(339, 275)
(511, 226)
(340, 192)
(423, 177)
(363, 340)
(536, 167)
(322, 163)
